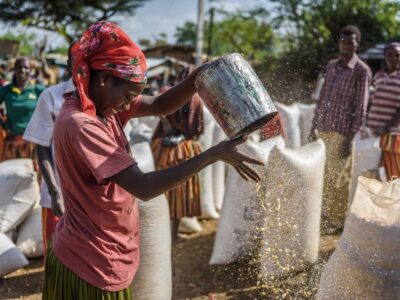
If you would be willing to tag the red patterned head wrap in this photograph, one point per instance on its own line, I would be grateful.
(104, 46)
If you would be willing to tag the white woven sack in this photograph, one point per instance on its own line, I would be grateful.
(218, 170)
(19, 192)
(128, 130)
(208, 210)
(150, 121)
(240, 214)
(366, 155)
(189, 225)
(140, 132)
(366, 262)
(292, 210)
(305, 122)
(18, 164)
(153, 280)
(30, 236)
(11, 259)
(291, 119)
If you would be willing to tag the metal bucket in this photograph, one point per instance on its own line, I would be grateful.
(235, 95)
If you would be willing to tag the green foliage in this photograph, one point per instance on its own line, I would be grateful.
(249, 33)
(315, 27)
(68, 18)
(26, 42)
(186, 35)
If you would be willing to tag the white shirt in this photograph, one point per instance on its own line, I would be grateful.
(40, 127)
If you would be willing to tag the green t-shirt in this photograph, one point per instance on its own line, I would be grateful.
(19, 105)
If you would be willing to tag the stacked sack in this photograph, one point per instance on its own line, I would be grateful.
(277, 218)
(20, 216)
(292, 209)
(366, 155)
(297, 120)
(153, 279)
(240, 215)
(366, 262)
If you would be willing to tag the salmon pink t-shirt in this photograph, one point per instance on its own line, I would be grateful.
(98, 236)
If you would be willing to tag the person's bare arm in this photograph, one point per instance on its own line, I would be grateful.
(45, 161)
(171, 100)
(146, 186)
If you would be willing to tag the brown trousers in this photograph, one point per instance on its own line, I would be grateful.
(336, 183)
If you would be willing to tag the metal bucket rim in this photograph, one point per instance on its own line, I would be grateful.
(215, 62)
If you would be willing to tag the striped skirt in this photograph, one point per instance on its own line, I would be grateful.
(62, 284)
(184, 200)
(15, 147)
(390, 145)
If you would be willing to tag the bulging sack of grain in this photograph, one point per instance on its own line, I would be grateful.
(290, 117)
(139, 133)
(366, 154)
(292, 209)
(208, 210)
(240, 215)
(150, 122)
(19, 192)
(11, 259)
(305, 121)
(30, 237)
(366, 262)
(189, 225)
(153, 280)
(218, 171)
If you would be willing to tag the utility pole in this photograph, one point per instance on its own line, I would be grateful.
(210, 32)
(200, 34)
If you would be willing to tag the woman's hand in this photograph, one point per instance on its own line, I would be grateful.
(227, 151)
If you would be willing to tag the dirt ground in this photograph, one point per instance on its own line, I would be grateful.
(194, 278)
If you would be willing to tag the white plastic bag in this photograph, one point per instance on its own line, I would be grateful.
(208, 210)
(150, 121)
(153, 280)
(218, 170)
(30, 236)
(240, 214)
(189, 225)
(140, 132)
(305, 121)
(290, 117)
(19, 192)
(366, 155)
(11, 259)
(366, 262)
(290, 233)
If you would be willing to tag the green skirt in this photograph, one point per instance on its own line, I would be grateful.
(62, 284)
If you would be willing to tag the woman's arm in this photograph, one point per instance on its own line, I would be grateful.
(146, 186)
(172, 99)
(45, 161)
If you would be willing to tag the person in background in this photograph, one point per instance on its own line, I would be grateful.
(40, 132)
(20, 98)
(339, 114)
(384, 110)
(94, 251)
(175, 141)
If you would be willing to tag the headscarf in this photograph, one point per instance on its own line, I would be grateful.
(105, 46)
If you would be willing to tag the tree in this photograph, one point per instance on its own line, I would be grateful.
(186, 35)
(246, 32)
(26, 42)
(314, 28)
(68, 18)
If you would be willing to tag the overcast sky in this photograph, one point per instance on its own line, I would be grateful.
(159, 16)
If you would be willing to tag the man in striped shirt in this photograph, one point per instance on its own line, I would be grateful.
(339, 114)
(384, 110)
